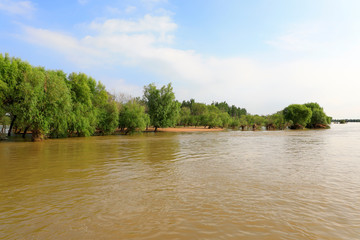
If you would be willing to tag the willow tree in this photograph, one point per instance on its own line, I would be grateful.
(83, 116)
(106, 110)
(185, 116)
(12, 73)
(212, 117)
(276, 121)
(298, 115)
(162, 108)
(58, 104)
(3, 90)
(108, 117)
(318, 117)
(46, 105)
(198, 112)
(132, 117)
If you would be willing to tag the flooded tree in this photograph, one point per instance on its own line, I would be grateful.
(318, 118)
(298, 114)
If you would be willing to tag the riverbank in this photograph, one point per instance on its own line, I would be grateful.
(185, 129)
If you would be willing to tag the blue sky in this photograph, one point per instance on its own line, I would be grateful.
(262, 55)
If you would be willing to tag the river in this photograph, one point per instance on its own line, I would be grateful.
(209, 185)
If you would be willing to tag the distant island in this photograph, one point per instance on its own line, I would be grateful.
(53, 104)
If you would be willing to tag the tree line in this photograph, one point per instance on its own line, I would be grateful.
(52, 104)
(345, 120)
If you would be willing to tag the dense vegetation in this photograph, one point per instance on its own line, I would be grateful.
(53, 104)
(309, 115)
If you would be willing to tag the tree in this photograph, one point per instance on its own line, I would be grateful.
(106, 110)
(298, 114)
(243, 122)
(45, 105)
(225, 119)
(132, 116)
(58, 103)
(318, 118)
(83, 119)
(276, 121)
(161, 105)
(12, 72)
(108, 117)
(185, 116)
(234, 122)
(213, 117)
(3, 90)
(223, 106)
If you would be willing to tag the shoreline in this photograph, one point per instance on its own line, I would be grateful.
(185, 129)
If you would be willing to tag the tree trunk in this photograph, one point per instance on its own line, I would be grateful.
(155, 129)
(37, 136)
(24, 134)
(11, 125)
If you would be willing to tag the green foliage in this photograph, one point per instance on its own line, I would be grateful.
(212, 118)
(133, 116)
(342, 121)
(234, 122)
(276, 121)
(310, 115)
(233, 111)
(83, 116)
(243, 121)
(161, 105)
(225, 119)
(250, 120)
(299, 114)
(188, 104)
(52, 104)
(12, 74)
(214, 115)
(45, 103)
(58, 103)
(185, 116)
(108, 117)
(32, 108)
(106, 109)
(259, 120)
(318, 116)
(5, 120)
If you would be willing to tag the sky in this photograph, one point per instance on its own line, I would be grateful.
(260, 55)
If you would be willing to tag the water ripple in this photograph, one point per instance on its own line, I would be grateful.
(223, 185)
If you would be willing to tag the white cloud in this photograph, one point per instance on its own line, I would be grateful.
(301, 37)
(125, 90)
(262, 87)
(83, 2)
(162, 24)
(75, 50)
(114, 11)
(24, 8)
(130, 9)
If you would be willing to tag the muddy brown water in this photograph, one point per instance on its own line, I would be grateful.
(215, 185)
